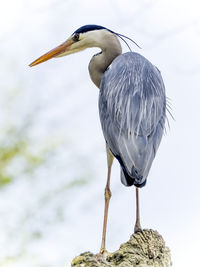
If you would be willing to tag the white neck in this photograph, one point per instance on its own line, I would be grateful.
(111, 48)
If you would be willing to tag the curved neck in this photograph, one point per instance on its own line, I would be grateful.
(111, 48)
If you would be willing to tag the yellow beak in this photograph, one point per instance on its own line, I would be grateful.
(53, 53)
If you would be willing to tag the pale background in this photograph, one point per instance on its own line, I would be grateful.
(54, 211)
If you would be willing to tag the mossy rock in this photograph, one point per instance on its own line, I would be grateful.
(144, 249)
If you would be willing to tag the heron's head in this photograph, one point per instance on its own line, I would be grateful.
(84, 37)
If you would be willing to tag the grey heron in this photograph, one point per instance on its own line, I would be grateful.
(132, 105)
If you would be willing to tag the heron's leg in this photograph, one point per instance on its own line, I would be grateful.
(137, 227)
(107, 199)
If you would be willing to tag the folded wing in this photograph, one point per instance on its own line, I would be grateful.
(132, 108)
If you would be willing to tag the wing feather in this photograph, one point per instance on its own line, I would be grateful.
(132, 106)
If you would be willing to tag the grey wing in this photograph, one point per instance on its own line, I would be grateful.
(132, 108)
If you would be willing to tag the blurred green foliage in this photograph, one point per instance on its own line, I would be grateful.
(16, 156)
(14, 147)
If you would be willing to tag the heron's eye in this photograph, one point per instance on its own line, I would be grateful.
(76, 37)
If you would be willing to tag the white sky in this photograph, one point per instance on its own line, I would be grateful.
(169, 33)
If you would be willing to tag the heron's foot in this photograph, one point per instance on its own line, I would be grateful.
(137, 228)
(102, 255)
(103, 251)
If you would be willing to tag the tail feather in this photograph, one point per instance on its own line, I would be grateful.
(128, 180)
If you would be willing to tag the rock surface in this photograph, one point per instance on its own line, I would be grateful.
(144, 249)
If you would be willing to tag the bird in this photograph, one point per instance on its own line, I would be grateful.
(132, 105)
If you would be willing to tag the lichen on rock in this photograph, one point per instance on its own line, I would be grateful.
(144, 249)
